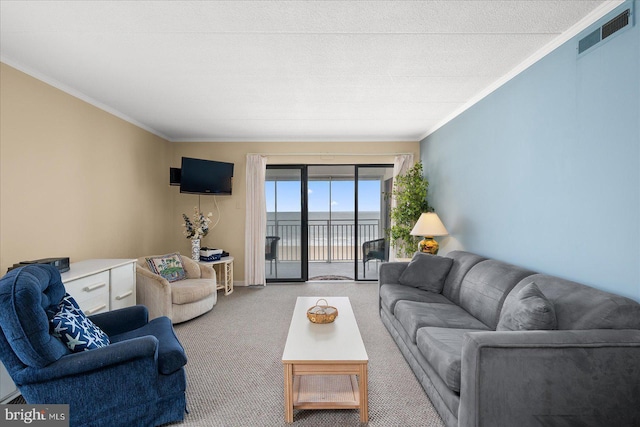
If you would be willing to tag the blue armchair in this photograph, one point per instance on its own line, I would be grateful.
(137, 380)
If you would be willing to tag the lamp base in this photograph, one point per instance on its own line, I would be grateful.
(428, 245)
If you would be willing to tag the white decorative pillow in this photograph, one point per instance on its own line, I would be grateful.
(74, 329)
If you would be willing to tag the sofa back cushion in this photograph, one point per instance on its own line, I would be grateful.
(486, 286)
(191, 267)
(462, 263)
(579, 306)
(29, 297)
(530, 310)
(426, 272)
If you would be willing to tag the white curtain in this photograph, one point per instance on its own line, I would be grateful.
(401, 164)
(255, 221)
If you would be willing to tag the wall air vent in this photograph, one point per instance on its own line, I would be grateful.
(589, 41)
(617, 23)
(614, 25)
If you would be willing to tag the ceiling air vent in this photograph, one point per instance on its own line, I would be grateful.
(593, 38)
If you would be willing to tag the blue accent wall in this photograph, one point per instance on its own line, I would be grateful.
(545, 171)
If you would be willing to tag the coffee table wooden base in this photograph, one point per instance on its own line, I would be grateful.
(332, 385)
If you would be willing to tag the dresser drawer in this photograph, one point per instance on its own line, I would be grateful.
(96, 304)
(123, 286)
(89, 287)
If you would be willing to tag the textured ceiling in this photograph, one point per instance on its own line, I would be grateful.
(283, 70)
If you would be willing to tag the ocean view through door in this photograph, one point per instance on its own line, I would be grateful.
(286, 238)
(326, 222)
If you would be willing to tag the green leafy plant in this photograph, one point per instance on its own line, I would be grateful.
(410, 193)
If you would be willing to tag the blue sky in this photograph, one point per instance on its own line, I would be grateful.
(341, 196)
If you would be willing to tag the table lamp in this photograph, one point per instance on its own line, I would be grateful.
(429, 225)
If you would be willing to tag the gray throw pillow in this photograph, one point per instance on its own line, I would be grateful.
(530, 310)
(426, 271)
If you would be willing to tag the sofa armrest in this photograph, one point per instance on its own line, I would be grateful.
(208, 272)
(529, 378)
(147, 275)
(153, 291)
(97, 360)
(390, 272)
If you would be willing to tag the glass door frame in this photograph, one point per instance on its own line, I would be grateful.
(304, 222)
(357, 259)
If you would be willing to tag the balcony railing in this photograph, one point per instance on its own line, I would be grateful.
(329, 240)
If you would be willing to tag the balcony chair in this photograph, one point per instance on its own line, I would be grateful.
(271, 252)
(373, 250)
(138, 379)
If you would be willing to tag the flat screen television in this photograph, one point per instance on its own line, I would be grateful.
(205, 176)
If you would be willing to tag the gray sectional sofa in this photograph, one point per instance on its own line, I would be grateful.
(493, 344)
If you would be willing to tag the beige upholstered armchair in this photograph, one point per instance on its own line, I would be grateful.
(179, 300)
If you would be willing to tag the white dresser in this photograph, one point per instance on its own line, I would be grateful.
(98, 285)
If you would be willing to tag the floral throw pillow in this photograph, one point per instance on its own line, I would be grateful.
(75, 329)
(168, 266)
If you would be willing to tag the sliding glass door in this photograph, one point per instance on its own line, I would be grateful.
(326, 222)
(372, 218)
(331, 194)
(286, 239)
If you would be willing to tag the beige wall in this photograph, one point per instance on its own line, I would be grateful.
(76, 181)
(229, 233)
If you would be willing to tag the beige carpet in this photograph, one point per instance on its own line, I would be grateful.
(235, 374)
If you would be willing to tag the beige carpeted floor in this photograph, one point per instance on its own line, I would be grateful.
(235, 372)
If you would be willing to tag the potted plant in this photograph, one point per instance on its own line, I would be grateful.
(195, 229)
(410, 193)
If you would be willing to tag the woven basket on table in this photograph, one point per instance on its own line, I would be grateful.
(322, 313)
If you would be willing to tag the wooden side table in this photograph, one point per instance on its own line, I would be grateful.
(224, 272)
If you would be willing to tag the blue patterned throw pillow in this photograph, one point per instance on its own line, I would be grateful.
(74, 329)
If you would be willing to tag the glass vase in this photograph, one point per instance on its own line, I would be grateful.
(195, 249)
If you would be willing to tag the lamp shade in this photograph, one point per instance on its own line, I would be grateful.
(429, 225)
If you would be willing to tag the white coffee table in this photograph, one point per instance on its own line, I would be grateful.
(325, 366)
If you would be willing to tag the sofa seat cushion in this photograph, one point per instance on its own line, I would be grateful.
(191, 290)
(442, 348)
(171, 354)
(391, 294)
(414, 315)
